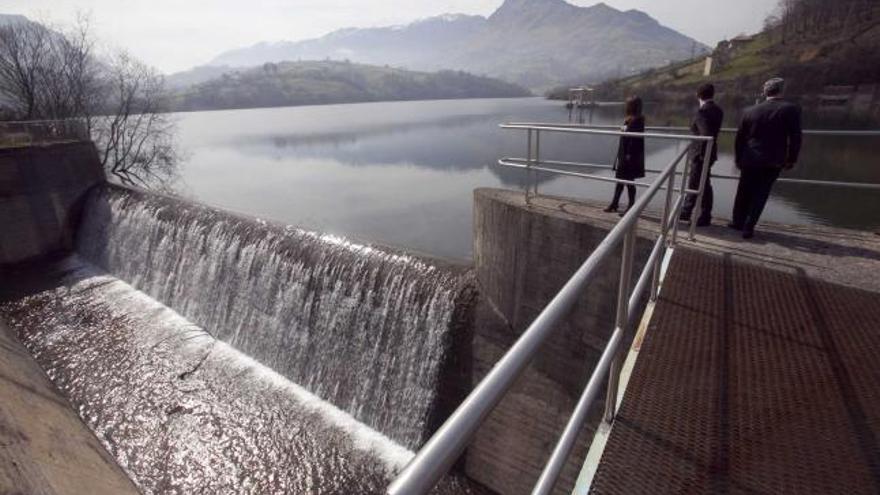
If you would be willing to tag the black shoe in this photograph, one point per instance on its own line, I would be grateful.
(622, 213)
(748, 233)
(735, 226)
(610, 209)
(704, 222)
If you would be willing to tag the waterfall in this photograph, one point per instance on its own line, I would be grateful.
(362, 327)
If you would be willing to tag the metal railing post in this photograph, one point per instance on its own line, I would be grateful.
(704, 176)
(537, 159)
(623, 289)
(528, 165)
(664, 234)
(684, 182)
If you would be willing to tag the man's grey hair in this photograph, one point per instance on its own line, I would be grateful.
(774, 87)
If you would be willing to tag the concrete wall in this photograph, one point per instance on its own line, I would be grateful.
(523, 255)
(41, 188)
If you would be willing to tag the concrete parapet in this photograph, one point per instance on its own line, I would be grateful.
(41, 189)
(523, 255)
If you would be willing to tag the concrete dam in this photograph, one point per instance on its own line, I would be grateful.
(213, 352)
(152, 344)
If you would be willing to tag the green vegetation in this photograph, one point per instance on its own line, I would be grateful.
(825, 49)
(326, 82)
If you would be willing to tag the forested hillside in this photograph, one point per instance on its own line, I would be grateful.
(827, 50)
(314, 83)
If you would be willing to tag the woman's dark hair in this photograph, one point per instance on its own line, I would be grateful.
(706, 91)
(633, 107)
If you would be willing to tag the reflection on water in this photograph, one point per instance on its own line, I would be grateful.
(403, 173)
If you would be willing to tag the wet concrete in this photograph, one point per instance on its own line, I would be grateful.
(180, 411)
(44, 447)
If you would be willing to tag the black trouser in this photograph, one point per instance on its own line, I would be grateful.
(690, 201)
(755, 184)
(618, 191)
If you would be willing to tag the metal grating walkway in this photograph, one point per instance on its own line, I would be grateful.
(750, 381)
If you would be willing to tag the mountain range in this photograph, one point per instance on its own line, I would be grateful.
(534, 43)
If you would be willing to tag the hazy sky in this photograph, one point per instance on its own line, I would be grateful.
(178, 34)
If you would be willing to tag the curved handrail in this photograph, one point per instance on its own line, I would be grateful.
(726, 130)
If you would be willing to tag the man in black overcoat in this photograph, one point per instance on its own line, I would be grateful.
(768, 141)
(707, 122)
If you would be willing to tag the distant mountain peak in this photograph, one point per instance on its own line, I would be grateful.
(641, 16)
(535, 43)
(513, 8)
(602, 6)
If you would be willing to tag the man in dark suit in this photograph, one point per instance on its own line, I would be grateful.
(707, 122)
(767, 142)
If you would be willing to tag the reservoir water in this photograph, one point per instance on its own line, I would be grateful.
(402, 173)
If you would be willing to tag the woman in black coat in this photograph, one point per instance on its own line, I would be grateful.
(630, 163)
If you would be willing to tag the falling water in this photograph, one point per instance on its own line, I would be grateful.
(364, 328)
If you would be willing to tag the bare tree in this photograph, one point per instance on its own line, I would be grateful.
(55, 74)
(23, 52)
(135, 138)
(73, 77)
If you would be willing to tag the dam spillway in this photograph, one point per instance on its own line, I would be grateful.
(363, 328)
(211, 352)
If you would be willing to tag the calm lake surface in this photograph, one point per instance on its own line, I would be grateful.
(403, 173)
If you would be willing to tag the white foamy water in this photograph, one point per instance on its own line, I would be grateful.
(161, 322)
(361, 327)
(365, 438)
(184, 412)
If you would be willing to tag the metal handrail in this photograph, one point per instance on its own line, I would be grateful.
(725, 130)
(600, 131)
(444, 447)
(439, 453)
(522, 163)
